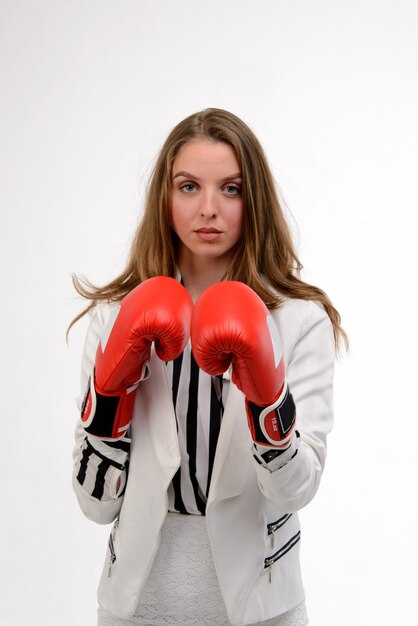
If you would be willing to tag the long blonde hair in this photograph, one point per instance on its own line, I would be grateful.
(266, 249)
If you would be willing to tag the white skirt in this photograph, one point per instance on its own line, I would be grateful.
(182, 587)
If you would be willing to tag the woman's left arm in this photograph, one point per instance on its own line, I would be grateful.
(292, 479)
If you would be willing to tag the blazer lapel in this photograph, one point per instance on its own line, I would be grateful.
(233, 448)
(161, 418)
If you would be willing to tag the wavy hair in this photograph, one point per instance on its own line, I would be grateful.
(266, 249)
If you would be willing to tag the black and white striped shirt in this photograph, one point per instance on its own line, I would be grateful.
(199, 403)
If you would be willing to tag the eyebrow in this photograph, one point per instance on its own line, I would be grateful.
(193, 177)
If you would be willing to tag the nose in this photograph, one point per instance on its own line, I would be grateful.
(208, 204)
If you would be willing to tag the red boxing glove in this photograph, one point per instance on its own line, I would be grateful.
(158, 310)
(232, 325)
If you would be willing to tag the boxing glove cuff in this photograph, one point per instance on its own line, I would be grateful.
(108, 415)
(272, 425)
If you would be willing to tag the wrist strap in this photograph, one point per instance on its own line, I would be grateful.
(273, 425)
(108, 415)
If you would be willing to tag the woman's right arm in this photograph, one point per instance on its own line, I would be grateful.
(100, 467)
(116, 356)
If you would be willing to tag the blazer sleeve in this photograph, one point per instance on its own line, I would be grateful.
(310, 373)
(99, 467)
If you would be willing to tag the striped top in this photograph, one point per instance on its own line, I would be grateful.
(199, 404)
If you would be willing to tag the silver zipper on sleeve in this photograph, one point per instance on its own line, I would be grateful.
(273, 526)
(112, 557)
(271, 560)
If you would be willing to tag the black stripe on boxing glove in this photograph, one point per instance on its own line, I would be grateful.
(107, 416)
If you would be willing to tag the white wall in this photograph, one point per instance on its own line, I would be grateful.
(89, 90)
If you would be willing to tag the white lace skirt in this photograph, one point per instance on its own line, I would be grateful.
(182, 587)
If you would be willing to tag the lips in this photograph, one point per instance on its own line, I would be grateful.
(208, 234)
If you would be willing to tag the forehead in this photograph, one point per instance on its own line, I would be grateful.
(200, 154)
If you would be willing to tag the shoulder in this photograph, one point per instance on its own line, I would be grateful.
(296, 311)
(302, 322)
(102, 312)
(300, 313)
(99, 316)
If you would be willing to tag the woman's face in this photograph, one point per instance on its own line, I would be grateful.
(207, 212)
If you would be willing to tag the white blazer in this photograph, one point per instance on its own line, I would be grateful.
(244, 496)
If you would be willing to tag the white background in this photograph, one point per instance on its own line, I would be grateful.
(89, 89)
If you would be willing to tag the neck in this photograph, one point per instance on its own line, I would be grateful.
(201, 274)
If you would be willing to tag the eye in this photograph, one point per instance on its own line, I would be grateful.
(188, 187)
(233, 190)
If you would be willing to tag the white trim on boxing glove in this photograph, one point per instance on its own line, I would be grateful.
(268, 409)
(280, 417)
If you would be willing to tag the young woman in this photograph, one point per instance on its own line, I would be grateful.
(202, 452)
